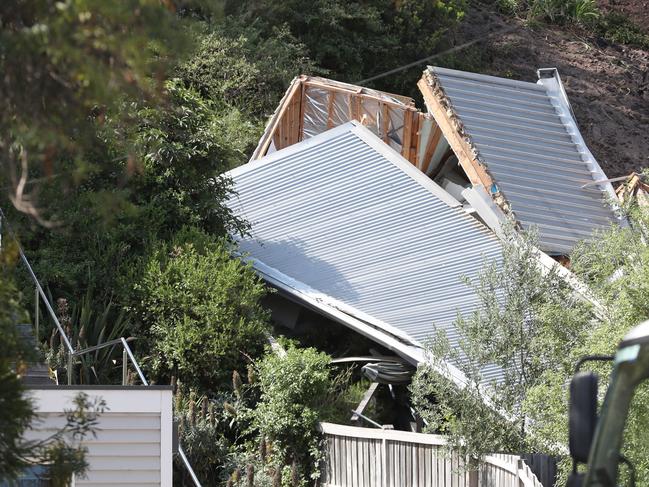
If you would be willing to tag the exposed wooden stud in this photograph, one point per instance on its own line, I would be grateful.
(284, 128)
(405, 139)
(302, 107)
(295, 126)
(414, 138)
(330, 106)
(431, 145)
(472, 167)
(385, 111)
(273, 136)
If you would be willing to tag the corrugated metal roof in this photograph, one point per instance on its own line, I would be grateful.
(525, 135)
(344, 219)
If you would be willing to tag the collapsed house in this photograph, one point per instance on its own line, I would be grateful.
(343, 224)
(371, 212)
(503, 148)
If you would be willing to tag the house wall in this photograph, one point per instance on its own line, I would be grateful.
(133, 442)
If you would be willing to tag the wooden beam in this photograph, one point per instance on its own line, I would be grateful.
(414, 138)
(407, 133)
(331, 98)
(295, 119)
(300, 133)
(472, 167)
(431, 144)
(384, 99)
(272, 133)
(385, 111)
(284, 128)
(365, 401)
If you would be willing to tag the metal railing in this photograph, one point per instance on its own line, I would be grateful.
(127, 353)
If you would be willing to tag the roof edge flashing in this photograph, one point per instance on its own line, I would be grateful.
(551, 80)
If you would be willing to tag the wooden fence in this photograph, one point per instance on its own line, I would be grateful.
(364, 457)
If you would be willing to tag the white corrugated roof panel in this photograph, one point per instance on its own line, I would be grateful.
(526, 137)
(345, 220)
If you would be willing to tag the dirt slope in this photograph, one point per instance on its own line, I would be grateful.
(607, 84)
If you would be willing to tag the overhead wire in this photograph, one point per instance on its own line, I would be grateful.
(464, 45)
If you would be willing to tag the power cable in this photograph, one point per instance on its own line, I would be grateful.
(507, 30)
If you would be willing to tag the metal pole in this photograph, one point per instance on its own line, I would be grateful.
(134, 362)
(37, 312)
(124, 367)
(188, 467)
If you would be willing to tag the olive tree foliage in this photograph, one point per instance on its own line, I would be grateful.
(200, 309)
(614, 264)
(527, 317)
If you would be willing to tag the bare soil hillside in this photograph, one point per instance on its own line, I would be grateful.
(607, 84)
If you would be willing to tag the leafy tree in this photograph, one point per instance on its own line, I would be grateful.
(201, 308)
(356, 39)
(614, 263)
(526, 320)
(65, 65)
(111, 218)
(235, 65)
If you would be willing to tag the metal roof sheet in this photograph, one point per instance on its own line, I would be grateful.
(525, 135)
(345, 220)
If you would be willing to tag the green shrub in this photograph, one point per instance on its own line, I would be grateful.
(200, 308)
(294, 391)
(583, 12)
(619, 28)
(200, 431)
(87, 326)
(237, 66)
(354, 40)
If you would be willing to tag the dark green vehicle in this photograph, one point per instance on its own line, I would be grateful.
(596, 439)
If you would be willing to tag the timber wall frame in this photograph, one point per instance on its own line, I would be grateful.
(394, 118)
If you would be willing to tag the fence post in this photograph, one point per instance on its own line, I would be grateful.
(124, 367)
(473, 477)
(384, 453)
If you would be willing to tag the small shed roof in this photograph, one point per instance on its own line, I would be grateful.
(519, 140)
(344, 224)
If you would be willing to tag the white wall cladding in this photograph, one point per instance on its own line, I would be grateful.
(133, 445)
(526, 136)
(345, 220)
